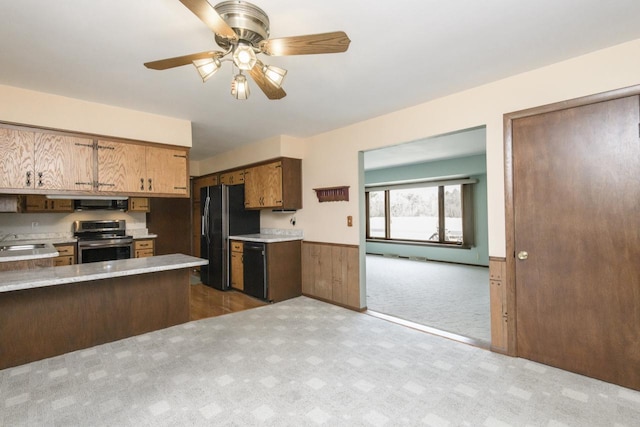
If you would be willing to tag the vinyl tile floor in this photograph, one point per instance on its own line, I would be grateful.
(302, 362)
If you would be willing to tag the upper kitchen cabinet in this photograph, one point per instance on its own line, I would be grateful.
(276, 185)
(121, 167)
(135, 168)
(232, 178)
(167, 171)
(45, 161)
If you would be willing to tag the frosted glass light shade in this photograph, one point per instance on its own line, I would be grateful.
(244, 57)
(275, 74)
(240, 87)
(207, 67)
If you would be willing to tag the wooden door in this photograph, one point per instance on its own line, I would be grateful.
(16, 159)
(63, 162)
(121, 167)
(576, 189)
(166, 171)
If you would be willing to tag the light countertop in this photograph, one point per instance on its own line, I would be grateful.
(16, 280)
(48, 251)
(266, 238)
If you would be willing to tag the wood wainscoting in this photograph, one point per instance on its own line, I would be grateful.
(502, 308)
(331, 272)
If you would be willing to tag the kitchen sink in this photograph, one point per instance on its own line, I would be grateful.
(22, 247)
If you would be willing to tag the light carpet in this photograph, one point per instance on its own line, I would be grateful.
(302, 362)
(450, 297)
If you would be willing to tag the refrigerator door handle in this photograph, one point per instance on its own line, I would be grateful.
(205, 220)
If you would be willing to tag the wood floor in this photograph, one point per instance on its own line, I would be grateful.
(209, 302)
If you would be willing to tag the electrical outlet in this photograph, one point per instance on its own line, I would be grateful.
(34, 224)
(349, 221)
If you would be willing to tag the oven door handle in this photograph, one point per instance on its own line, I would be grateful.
(104, 245)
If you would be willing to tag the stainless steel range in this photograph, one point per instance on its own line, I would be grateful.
(103, 240)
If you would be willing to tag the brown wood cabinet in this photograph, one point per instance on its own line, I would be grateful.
(237, 265)
(284, 270)
(66, 254)
(232, 178)
(133, 168)
(143, 248)
(197, 185)
(276, 185)
(139, 204)
(45, 161)
(37, 203)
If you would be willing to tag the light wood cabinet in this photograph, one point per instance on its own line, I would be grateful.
(143, 248)
(139, 204)
(274, 185)
(45, 161)
(67, 255)
(36, 203)
(167, 170)
(237, 265)
(232, 178)
(133, 168)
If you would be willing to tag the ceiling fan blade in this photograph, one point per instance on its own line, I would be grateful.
(207, 14)
(165, 64)
(334, 42)
(271, 90)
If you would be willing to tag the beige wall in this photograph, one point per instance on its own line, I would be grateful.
(333, 158)
(600, 71)
(33, 108)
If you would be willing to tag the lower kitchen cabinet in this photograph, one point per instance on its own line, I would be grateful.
(237, 265)
(275, 273)
(67, 255)
(143, 248)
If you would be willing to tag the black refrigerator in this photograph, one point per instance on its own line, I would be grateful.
(223, 215)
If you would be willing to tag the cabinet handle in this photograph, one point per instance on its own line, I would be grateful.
(84, 183)
(141, 184)
(180, 156)
(40, 183)
(104, 184)
(106, 147)
(150, 184)
(179, 188)
(84, 145)
(28, 179)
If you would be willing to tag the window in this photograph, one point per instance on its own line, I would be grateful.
(432, 213)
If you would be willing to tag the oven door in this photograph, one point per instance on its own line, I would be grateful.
(104, 250)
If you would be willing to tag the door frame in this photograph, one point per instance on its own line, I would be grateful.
(508, 118)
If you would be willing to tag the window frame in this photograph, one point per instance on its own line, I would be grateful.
(467, 206)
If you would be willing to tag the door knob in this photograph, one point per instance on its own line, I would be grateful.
(523, 255)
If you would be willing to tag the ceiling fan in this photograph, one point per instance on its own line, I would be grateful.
(242, 30)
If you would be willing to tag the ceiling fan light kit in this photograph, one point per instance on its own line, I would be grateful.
(242, 30)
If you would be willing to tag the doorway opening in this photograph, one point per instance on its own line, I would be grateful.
(427, 234)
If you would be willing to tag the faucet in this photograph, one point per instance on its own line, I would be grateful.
(6, 236)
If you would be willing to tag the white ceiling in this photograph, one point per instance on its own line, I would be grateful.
(402, 53)
(464, 143)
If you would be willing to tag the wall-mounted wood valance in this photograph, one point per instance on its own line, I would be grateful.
(332, 194)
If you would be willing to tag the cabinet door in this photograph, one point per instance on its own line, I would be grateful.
(35, 203)
(201, 182)
(263, 186)
(232, 178)
(63, 162)
(166, 171)
(121, 167)
(139, 204)
(237, 271)
(16, 158)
